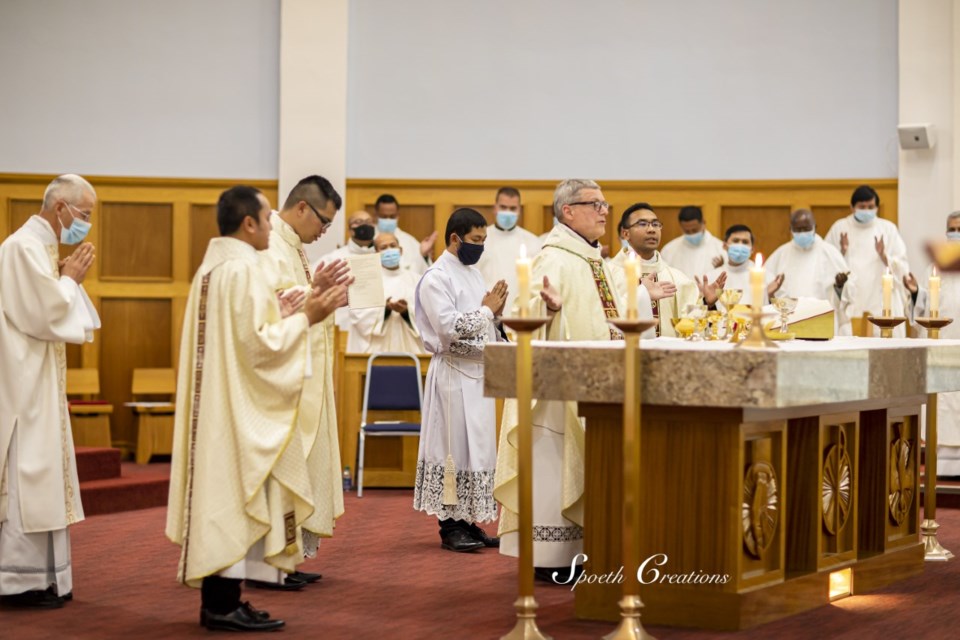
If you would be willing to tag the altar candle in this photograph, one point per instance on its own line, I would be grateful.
(523, 281)
(631, 267)
(757, 282)
(887, 292)
(934, 293)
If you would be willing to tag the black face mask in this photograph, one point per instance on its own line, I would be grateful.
(469, 253)
(364, 232)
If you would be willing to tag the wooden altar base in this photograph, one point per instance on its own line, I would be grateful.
(737, 496)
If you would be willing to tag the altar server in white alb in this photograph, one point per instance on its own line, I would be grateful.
(42, 307)
(735, 274)
(948, 305)
(240, 489)
(871, 246)
(457, 316)
(504, 239)
(813, 268)
(697, 251)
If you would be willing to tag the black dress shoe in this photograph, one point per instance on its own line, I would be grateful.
(46, 599)
(256, 614)
(459, 540)
(289, 584)
(479, 534)
(303, 576)
(545, 574)
(238, 620)
(67, 597)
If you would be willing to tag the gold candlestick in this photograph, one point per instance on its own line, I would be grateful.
(887, 323)
(630, 627)
(757, 338)
(526, 605)
(933, 551)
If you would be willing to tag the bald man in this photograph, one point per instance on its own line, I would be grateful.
(812, 268)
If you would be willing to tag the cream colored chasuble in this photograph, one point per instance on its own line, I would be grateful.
(666, 308)
(238, 477)
(577, 271)
(287, 265)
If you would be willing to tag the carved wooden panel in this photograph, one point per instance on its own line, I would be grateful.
(136, 241)
(903, 487)
(762, 487)
(136, 334)
(770, 224)
(839, 449)
(203, 227)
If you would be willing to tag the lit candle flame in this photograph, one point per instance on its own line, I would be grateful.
(935, 273)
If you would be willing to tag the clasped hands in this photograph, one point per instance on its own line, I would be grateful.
(328, 292)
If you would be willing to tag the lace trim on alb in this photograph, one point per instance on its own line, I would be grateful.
(475, 501)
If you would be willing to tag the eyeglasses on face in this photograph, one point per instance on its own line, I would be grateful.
(326, 222)
(83, 215)
(598, 205)
(643, 224)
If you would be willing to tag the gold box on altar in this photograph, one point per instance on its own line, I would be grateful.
(813, 319)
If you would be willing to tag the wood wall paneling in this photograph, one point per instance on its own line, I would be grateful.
(20, 212)
(203, 227)
(416, 219)
(136, 334)
(826, 215)
(770, 224)
(136, 241)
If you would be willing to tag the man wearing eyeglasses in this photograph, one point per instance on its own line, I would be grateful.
(307, 214)
(573, 285)
(42, 307)
(670, 289)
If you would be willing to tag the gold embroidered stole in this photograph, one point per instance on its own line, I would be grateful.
(607, 300)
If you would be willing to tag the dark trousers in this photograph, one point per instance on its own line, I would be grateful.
(220, 595)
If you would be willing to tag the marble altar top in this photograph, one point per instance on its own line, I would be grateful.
(716, 374)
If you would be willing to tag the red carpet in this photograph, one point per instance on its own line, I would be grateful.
(109, 486)
(385, 577)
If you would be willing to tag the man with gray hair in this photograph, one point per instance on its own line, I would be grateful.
(948, 406)
(572, 284)
(42, 307)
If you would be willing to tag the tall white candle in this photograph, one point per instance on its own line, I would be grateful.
(632, 268)
(523, 282)
(887, 292)
(934, 293)
(757, 282)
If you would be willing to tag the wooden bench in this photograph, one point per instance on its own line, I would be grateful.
(154, 418)
(89, 416)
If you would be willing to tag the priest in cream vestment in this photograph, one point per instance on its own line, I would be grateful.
(240, 490)
(948, 404)
(392, 327)
(307, 213)
(42, 306)
(670, 290)
(581, 298)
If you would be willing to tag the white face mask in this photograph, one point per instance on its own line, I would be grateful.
(865, 215)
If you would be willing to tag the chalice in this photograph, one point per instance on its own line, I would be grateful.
(785, 305)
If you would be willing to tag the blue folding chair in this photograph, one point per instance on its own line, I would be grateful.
(389, 388)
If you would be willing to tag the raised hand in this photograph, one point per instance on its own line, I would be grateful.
(337, 272)
(711, 291)
(878, 245)
(910, 282)
(717, 261)
(426, 245)
(842, 278)
(78, 263)
(659, 290)
(775, 285)
(496, 298)
(291, 301)
(551, 296)
(320, 304)
(844, 243)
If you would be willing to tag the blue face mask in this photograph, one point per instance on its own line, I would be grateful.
(390, 258)
(507, 220)
(694, 238)
(804, 239)
(738, 253)
(953, 236)
(865, 215)
(76, 232)
(387, 225)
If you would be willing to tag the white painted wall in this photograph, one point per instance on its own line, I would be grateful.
(929, 184)
(184, 88)
(653, 89)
